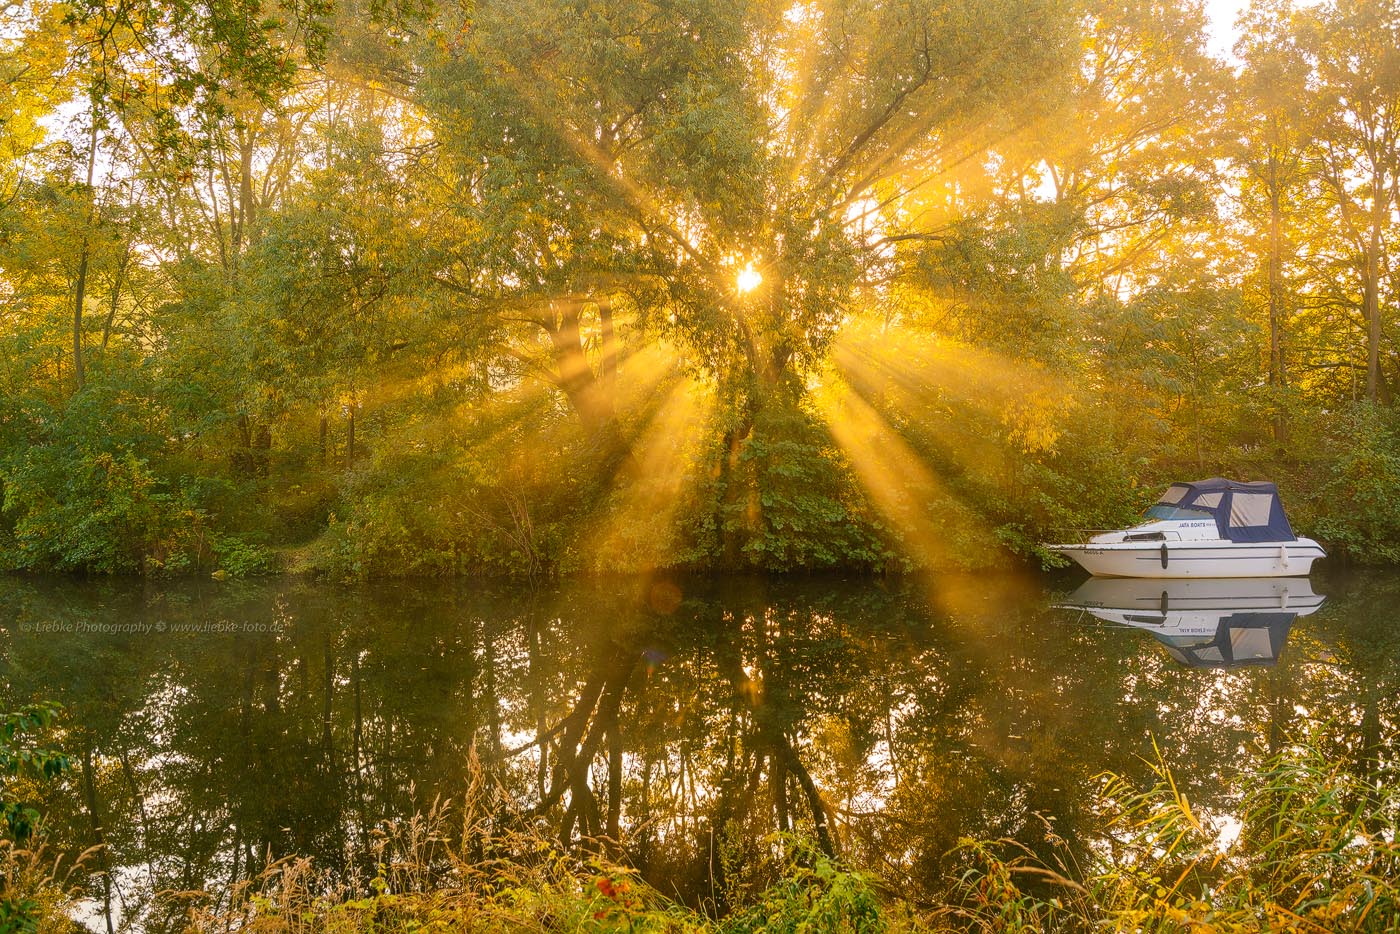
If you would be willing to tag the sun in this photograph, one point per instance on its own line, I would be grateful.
(749, 279)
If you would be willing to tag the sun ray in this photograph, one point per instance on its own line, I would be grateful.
(890, 383)
(939, 530)
(640, 371)
(909, 496)
(637, 532)
(1024, 398)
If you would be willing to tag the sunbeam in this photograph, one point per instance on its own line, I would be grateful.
(1023, 397)
(927, 515)
(637, 531)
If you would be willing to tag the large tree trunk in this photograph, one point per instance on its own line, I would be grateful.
(587, 393)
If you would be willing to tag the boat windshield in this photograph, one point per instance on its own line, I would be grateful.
(1167, 511)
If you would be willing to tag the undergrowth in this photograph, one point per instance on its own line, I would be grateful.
(1311, 847)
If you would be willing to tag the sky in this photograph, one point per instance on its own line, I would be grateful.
(1222, 15)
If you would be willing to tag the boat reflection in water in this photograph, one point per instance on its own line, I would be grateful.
(1220, 623)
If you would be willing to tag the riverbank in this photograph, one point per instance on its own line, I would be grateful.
(791, 501)
(1310, 847)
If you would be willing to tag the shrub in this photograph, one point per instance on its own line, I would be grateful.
(1357, 510)
(31, 898)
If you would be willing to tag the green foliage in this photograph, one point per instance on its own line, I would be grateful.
(84, 492)
(19, 915)
(19, 758)
(401, 521)
(239, 558)
(814, 894)
(479, 504)
(992, 286)
(23, 907)
(795, 503)
(1356, 506)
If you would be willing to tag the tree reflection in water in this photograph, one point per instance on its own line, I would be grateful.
(678, 723)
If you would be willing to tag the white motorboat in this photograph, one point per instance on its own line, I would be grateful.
(1210, 528)
(1218, 623)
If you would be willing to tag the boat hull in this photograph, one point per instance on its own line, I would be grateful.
(1196, 558)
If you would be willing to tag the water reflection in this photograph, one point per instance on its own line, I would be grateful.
(679, 722)
(1221, 623)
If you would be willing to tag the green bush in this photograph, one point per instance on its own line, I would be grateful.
(98, 511)
(237, 557)
(1357, 507)
(814, 894)
(29, 895)
(797, 505)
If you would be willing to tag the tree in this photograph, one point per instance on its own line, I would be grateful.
(1271, 117)
(636, 158)
(1355, 51)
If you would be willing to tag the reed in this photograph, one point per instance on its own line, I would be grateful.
(1312, 847)
(38, 887)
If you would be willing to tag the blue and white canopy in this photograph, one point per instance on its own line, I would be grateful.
(1243, 512)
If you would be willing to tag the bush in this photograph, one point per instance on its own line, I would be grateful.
(797, 505)
(31, 898)
(96, 511)
(237, 557)
(1357, 509)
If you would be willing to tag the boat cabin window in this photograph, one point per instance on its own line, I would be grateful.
(1164, 511)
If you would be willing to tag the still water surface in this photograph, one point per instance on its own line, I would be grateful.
(215, 725)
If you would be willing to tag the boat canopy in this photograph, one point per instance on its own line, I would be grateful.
(1241, 639)
(1243, 512)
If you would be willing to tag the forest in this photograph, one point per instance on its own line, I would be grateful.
(371, 288)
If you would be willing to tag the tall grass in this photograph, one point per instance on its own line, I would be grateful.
(518, 879)
(1311, 847)
(37, 892)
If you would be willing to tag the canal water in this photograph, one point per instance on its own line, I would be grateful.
(214, 726)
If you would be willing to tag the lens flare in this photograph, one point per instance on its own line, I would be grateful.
(749, 279)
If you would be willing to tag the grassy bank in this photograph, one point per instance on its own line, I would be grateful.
(1311, 847)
